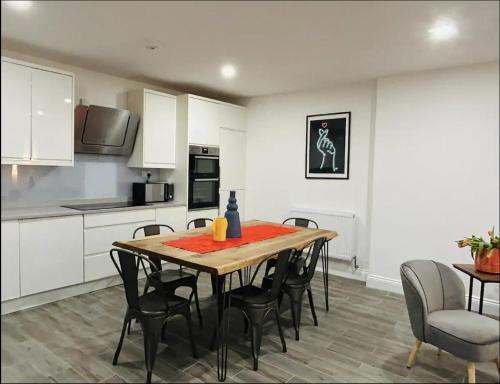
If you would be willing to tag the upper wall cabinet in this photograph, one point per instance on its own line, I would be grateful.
(232, 117)
(155, 142)
(203, 121)
(204, 117)
(37, 114)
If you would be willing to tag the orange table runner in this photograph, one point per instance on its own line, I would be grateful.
(205, 244)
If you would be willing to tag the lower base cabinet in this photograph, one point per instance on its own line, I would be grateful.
(10, 260)
(51, 253)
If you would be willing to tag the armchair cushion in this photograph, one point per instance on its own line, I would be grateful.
(465, 334)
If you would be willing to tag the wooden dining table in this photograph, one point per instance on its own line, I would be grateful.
(223, 263)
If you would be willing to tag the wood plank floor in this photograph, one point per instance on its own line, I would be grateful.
(365, 337)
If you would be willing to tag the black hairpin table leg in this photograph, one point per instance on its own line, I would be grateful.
(471, 284)
(324, 262)
(222, 324)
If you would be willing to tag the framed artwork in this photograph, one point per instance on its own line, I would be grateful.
(327, 145)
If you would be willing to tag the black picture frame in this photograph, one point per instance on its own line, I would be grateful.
(327, 154)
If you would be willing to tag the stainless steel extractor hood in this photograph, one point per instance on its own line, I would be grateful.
(105, 131)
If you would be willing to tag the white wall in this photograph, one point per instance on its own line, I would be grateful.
(93, 176)
(276, 131)
(436, 168)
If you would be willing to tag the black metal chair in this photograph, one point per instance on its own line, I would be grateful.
(299, 259)
(199, 223)
(256, 303)
(202, 223)
(170, 279)
(151, 309)
(297, 283)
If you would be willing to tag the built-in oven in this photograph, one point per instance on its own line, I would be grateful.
(203, 162)
(203, 191)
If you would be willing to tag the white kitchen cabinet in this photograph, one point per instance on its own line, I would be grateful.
(203, 121)
(101, 230)
(173, 216)
(232, 159)
(37, 114)
(16, 112)
(155, 142)
(232, 116)
(51, 253)
(240, 201)
(10, 260)
(52, 115)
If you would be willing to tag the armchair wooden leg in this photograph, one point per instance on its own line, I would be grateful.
(413, 353)
(471, 372)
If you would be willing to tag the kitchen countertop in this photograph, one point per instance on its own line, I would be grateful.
(9, 214)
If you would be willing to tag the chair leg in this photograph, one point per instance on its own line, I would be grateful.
(187, 315)
(197, 302)
(471, 372)
(256, 339)
(296, 307)
(413, 353)
(120, 343)
(245, 324)
(280, 329)
(311, 304)
(439, 352)
(152, 333)
(129, 324)
(280, 299)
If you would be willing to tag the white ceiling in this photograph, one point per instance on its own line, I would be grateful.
(275, 46)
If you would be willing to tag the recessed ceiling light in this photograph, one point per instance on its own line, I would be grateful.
(443, 30)
(20, 5)
(152, 47)
(228, 71)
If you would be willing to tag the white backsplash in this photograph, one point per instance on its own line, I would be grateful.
(92, 177)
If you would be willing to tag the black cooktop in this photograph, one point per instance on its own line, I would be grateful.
(91, 207)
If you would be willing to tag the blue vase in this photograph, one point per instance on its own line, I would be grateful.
(233, 217)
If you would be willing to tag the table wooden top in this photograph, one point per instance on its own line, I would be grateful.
(481, 276)
(227, 260)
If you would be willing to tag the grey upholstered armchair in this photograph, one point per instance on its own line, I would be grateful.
(435, 299)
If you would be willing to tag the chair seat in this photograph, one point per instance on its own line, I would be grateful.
(250, 294)
(465, 334)
(467, 326)
(153, 303)
(171, 276)
(292, 280)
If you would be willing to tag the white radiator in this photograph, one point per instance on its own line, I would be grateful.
(344, 223)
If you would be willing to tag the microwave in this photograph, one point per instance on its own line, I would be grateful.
(152, 192)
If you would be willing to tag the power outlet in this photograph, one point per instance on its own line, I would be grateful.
(146, 173)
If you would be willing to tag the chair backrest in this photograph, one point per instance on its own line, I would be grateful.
(128, 268)
(429, 286)
(280, 272)
(199, 223)
(301, 222)
(314, 256)
(152, 230)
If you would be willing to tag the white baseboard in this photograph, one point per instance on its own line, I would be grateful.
(37, 299)
(343, 268)
(490, 306)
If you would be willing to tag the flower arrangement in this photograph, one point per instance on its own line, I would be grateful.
(478, 244)
(486, 254)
